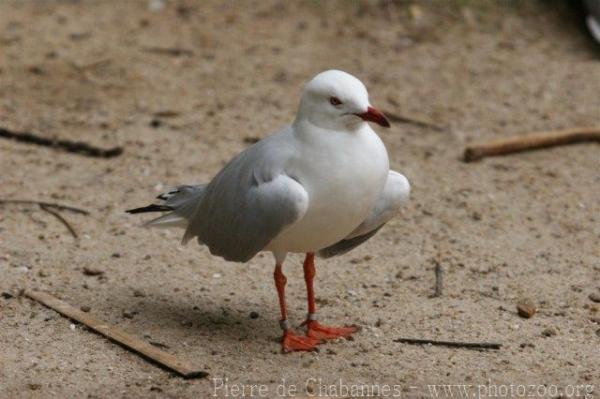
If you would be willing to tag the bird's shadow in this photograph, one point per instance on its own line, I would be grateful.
(178, 316)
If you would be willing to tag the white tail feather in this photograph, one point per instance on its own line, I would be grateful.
(169, 220)
(183, 201)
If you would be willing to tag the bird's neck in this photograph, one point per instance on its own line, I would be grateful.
(306, 125)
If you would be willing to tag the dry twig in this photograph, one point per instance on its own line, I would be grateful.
(121, 337)
(60, 207)
(76, 147)
(531, 141)
(439, 279)
(51, 208)
(60, 219)
(173, 51)
(468, 345)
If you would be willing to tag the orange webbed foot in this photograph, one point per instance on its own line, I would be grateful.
(320, 332)
(293, 342)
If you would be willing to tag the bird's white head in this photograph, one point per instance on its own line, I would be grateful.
(337, 100)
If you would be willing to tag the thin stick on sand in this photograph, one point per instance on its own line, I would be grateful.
(76, 147)
(531, 141)
(61, 219)
(468, 345)
(130, 342)
(53, 209)
(439, 279)
(60, 207)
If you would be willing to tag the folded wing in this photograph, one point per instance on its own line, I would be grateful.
(248, 204)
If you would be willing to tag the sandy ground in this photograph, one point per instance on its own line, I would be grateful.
(505, 229)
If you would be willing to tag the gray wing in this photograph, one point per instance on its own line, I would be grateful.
(249, 202)
(394, 194)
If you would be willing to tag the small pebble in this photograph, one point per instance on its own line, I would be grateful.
(308, 364)
(549, 332)
(138, 294)
(598, 332)
(85, 308)
(36, 70)
(323, 301)
(92, 272)
(254, 315)
(72, 327)
(594, 297)
(526, 310)
(251, 139)
(128, 315)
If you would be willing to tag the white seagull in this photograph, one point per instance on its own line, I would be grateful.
(321, 185)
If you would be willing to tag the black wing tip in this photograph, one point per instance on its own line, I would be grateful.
(165, 196)
(150, 208)
(346, 245)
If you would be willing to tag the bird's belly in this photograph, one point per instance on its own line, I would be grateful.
(338, 203)
(321, 227)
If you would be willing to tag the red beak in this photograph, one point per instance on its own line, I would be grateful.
(372, 115)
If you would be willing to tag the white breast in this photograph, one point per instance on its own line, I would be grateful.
(343, 173)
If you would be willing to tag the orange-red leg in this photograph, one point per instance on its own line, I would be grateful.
(291, 342)
(314, 328)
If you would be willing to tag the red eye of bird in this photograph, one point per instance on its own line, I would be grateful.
(335, 101)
